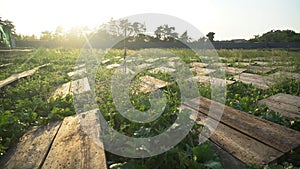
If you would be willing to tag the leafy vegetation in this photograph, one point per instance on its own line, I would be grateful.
(27, 102)
(277, 36)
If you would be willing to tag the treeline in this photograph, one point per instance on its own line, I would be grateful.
(110, 33)
(277, 36)
(114, 31)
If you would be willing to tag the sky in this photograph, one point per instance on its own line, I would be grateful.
(229, 19)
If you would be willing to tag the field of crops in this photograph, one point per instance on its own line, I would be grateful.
(29, 101)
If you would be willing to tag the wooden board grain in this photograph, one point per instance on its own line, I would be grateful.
(78, 72)
(73, 148)
(32, 148)
(202, 71)
(211, 80)
(234, 70)
(260, 69)
(282, 75)
(162, 69)
(198, 64)
(285, 104)
(74, 87)
(17, 76)
(242, 64)
(254, 79)
(247, 137)
(149, 84)
(5, 65)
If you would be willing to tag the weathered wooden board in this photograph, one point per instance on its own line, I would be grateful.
(77, 86)
(280, 75)
(211, 80)
(285, 104)
(234, 70)
(124, 69)
(112, 66)
(32, 148)
(202, 71)
(260, 69)
(151, 60)
(262, 63)
(242, 63)
(173, 58)
(171, 64)
(149, 84)
(254, 79)
(80, 86)
(78, 72)
(105, 61)
(14, 52)
(17, 76)
(143, 66)
(218, 64)
(73, 148)
(79, 66)
(198, 64)
(162, 69)
(247, 137)
(4, 65)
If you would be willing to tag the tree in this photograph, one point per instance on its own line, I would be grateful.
(277, 36)
(58, 35)
(166, 33)
(184, 37)
(46, 35)
(118, 28)
(211, 36)
(202, 39)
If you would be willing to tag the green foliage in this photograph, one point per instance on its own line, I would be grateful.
(26, 102)
(278, 36)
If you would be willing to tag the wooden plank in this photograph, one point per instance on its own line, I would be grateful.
(112, 66)
(218, 64)
(173, 58)
(280, 75)
(202, 71)
(5, 65)
(279, 137)
(242, 63)
(262, 63)
(32, 148)
(62, 91)
(254, 79)
(287, 105)
(74, 87)
(79, 66)
(151, 60)
(17, 76)
(237, 144)
(234, 70)
(247, 137)
(259, 69)
(149, 84)
(78, 72)
(211, 80)
(198, 64)
(162, 69)
(73, 148)
(143, 66)
(171, 64)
